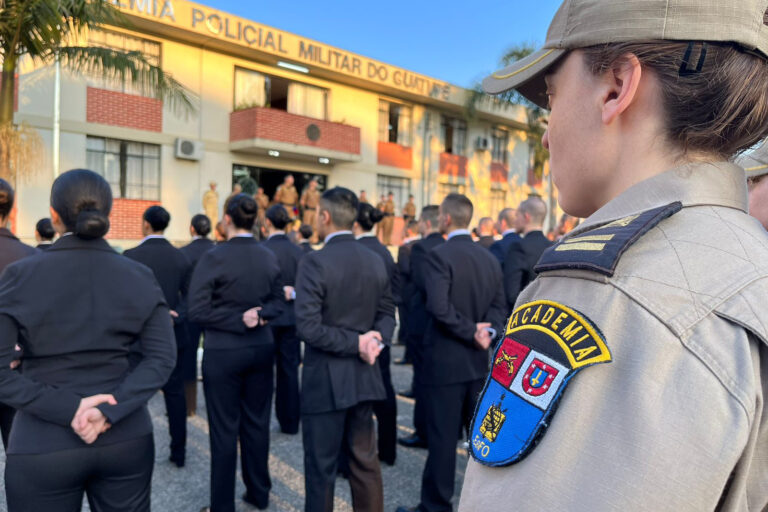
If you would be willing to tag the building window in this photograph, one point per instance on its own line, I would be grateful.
(151, 50)
(454, 135)
(254, 89)
(499, 144)
(400, 188)
(394, 123)
(131, 168)
(498, 200)
(443, 189)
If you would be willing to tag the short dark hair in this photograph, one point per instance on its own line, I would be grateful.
(83, 200)
(157, 217)
(278, 216)
(242, 208)
(459, 207)
(44, 228)
(341, 203)
(201, 224)
(368, 216)
(430, 213)
(413, 225)
(507, 215)
(306, 231)
(6, 198)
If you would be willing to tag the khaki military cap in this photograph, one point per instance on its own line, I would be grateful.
(582, 23)
(755, 163)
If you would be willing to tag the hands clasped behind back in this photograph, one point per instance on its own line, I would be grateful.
(370, 345)
(89, 422)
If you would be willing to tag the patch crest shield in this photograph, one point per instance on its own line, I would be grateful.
(545, 345)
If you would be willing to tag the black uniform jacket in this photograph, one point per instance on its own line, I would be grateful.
(171, 267)
(77, 310)
(306, 247)
(288, 255)
(418, 310)
(464, 288)
(230, 279)
(196, 248)
(342, 291)
(372, 243)
(500, 247)
(486, 241)
(518, 265)
(407, 288)
(12, 249)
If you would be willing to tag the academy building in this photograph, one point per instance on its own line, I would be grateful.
(270, 103)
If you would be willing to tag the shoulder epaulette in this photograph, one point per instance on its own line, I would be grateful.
(600, 249)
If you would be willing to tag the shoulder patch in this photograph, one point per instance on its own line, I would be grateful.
(601, 248)
(545, 345)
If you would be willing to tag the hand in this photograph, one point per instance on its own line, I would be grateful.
(482, 336)
(288, 291)
(89, 422)
(16, 362)
(174, 314)
(369, 346)
(251, 317)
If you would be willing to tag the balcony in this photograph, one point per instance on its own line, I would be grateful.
(453, 165)
(499, 172)
(395, 155)
(260, 129)
(124, 110)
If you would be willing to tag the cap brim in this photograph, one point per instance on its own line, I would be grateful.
(755, 163)
(526, 76)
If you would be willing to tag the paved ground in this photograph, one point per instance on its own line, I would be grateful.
(186, 489)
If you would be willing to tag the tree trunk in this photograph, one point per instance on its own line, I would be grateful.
(7, 87)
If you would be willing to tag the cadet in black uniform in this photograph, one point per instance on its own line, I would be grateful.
(465, 297)
(342, 324)
(172, 271)
(385, 410)
(287, 344)
(306, 234)
(44, 233)
(11, 249)
(419, 318)
(98, 308)
(236, 288)
(200, 228)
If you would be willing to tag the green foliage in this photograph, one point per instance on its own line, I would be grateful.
(248, 185)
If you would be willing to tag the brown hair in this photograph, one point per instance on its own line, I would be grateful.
(722, 109)
(6, 198)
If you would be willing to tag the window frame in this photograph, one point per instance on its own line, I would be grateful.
(119, 189)
(385, 133)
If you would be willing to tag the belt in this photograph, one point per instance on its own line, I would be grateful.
(288, 204)
(308, 208)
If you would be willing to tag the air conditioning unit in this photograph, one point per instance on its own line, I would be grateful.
(189, 149)
(481, 144)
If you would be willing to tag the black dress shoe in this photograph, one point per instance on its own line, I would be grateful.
(178, 461)
(253, 502)
(387, 461)
(412, 441)
(407, 394)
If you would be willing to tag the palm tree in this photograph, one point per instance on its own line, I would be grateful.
(535, 114)
(47, 30)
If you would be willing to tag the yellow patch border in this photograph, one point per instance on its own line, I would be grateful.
(605, 354)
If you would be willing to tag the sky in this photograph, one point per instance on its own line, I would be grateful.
(455, 41)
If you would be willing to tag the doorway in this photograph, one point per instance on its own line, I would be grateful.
(252, 177)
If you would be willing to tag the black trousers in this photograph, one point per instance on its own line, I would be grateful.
(116, 478)
(238, 395)
(175, 400)
(6, 420)
(449, 409)
(386, 412)
(189, 365)
(287, 360)
(325, 435)
(419, 415)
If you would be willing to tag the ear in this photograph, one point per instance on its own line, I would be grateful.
(620, 87)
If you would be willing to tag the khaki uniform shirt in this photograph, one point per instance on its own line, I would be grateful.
(262, 200)
(676, 420)
(287, 195)
(389, 207)
(409, 210)
(310, 199)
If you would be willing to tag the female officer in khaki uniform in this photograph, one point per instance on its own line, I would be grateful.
(646, 329)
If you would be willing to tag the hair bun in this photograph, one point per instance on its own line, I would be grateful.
(91, 223)
(376, 215)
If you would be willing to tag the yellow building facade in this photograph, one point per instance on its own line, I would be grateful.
(269, 103)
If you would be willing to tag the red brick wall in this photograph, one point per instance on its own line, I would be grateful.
(15, 92)
(395, 155)
(499, 172)
(278, 125)
(126, 110)
(125, 219)
(453, 165)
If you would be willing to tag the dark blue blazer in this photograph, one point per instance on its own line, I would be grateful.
(288, 255)
(501, 247)
(418, 310)
(12, 249)
(342, 291)
(196, 248)
(372, 243)
(464, 287)
(230, 279)
(518, 265)
(77, 310)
